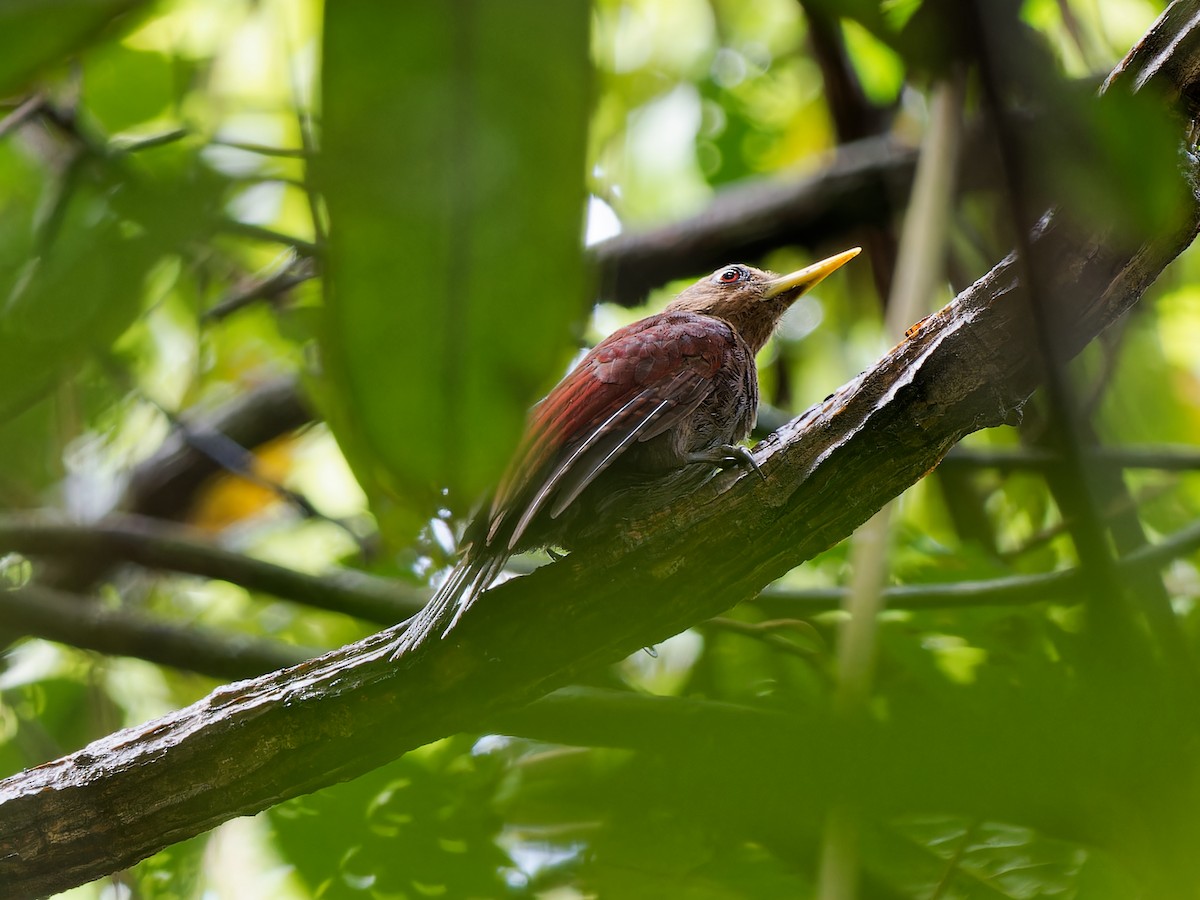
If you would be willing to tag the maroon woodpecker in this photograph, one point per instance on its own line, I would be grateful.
(646, 417)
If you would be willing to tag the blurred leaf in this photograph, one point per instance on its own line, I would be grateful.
(421, 826)
(123, 87)
(879, 69)
(31, 460)
(634, 825)
(958, 858)
(44, 718)
(37, 33)
(454, 173)
(175, 873)
(1128, 143)
(113, 220)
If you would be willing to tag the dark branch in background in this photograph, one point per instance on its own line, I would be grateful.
(746, 221)
(854, 115)
(865, 184)
(308, 140)
(234, 459)
(160, 545)
(44, 613)
(967, 367)
(1165, 458)
(594, 717)
(165, 485)
(1046, 534)
(1115, 502)
(84, 623)
(854, 118)
(768, 633)
(1019, 590)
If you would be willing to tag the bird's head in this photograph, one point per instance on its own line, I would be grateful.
(751, 300)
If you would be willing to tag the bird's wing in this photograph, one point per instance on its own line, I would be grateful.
(635, 385)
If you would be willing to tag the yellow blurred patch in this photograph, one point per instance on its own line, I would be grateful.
(229, 499)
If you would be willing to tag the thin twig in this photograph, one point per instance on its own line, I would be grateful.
(234, 459)
(768, 633)
(134, 144)
(269, 235)
(261, 149)
(29, 108)
(165, 485)
(308, 141)
(268, 288)
(1117, 508)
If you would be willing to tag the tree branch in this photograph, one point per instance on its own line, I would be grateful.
(254, 743)
(1018, 590)
(159, 545)
(1166, 458)
(865, 183)
(82, 622)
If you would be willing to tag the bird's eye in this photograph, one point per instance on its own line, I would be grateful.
(730, 275)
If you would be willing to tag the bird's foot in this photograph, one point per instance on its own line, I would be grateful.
(727, 455)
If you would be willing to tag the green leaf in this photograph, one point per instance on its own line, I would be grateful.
(123, 87)
(984, 860)
(453, 169)
(1128, 143)
(40, 714)
(420, 826)
(174, 873)
(38, 33)
(111, 222)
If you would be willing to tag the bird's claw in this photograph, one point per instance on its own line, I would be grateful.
(731, 455)
(741, 456)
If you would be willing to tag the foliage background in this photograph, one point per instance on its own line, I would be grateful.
(165, 228)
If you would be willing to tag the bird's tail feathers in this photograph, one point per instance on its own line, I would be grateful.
(458, 592)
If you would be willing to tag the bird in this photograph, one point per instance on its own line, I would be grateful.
(648, 415)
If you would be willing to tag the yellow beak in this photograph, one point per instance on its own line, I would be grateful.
(809, 277)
